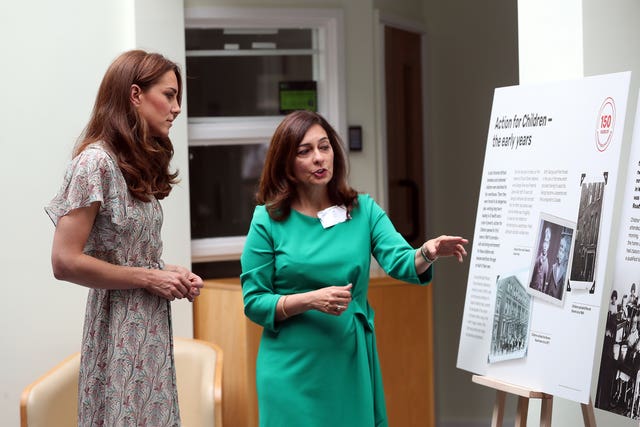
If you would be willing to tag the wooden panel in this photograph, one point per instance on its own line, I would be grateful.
(404, 334)
(219, 318)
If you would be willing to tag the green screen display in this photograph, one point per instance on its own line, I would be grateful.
(298, 96)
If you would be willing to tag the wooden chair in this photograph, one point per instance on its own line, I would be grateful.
(52, 400)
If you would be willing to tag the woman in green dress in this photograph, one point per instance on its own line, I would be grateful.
(305, 278)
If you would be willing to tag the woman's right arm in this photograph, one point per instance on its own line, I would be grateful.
(261, 303)
(71, 264)
(332, 300)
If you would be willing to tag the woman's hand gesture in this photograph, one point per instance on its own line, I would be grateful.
(446, 246)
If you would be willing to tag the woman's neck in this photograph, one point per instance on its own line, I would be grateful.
(311, 202)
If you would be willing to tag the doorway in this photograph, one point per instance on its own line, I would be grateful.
(403, 89)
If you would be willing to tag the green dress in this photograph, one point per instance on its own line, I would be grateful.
(316, 369)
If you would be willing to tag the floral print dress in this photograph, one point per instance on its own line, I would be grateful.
(127, 371)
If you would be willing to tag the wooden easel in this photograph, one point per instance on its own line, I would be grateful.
(524, 395)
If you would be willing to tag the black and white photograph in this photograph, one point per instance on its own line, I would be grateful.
(510, 336)
(585, 253)
(550, 260)
(618, 387)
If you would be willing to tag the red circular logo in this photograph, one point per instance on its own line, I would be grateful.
(605, 124)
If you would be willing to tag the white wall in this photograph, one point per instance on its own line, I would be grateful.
(550, 40)
(53, 57)
(580, 38)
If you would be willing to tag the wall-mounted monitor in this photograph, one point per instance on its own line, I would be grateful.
(298, 95)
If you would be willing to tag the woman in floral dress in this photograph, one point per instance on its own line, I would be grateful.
(107, 237)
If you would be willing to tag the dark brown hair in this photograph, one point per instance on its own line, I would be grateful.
(142, 158)
(277, 188)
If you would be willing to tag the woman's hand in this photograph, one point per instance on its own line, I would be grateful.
(446, 246)
(194, 281)
(196, 285)
(332, 299)
(169, 284)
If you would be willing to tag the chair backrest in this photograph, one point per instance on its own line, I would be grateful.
(52, 400)
(199, 378)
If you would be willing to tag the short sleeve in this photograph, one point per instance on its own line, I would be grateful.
(92, 176)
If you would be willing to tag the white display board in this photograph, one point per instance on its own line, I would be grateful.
(618, 389)
(542, 234)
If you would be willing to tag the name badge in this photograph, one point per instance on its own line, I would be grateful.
(333, 215)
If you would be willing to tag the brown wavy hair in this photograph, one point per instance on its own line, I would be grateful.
(142, 158)
(277, 188)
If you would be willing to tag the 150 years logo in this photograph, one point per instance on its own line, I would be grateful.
(605, 124)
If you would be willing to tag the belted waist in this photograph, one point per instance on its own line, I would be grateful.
(363, 314)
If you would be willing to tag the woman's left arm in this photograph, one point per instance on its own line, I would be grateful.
(394, 253)
(442, 246)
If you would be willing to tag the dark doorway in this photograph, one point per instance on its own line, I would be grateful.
(403, 73)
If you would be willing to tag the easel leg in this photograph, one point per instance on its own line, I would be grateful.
(523, 411)
(498, 409)
(545, 412)
(588, 415)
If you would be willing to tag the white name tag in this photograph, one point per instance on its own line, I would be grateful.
(332, 216)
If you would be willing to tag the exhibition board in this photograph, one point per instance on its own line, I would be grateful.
(617, 389)
(543, 233)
